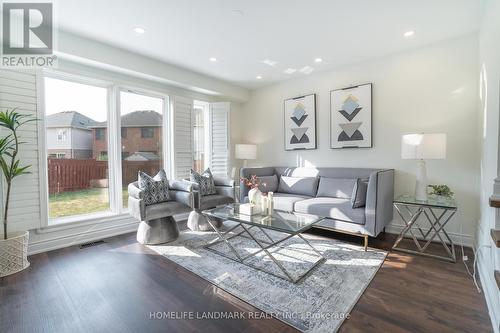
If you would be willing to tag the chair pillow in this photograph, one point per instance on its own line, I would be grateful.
(358, 198)
(298, 185)
(268, 183)
(155, 189)
(336, 187)
(205, 181)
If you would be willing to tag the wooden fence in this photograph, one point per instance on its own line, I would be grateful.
(66, 175)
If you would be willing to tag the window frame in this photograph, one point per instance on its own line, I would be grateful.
(166, 129)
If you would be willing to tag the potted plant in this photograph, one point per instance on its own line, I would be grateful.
(13, 246)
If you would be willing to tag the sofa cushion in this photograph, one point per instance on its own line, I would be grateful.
(334, 208)
(307, 186)
(271, 183)
(214, 200)
(358, 198)
(286, 201)
(336, 187)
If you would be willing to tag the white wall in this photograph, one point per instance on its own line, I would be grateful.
(433, 89)
(489, 109)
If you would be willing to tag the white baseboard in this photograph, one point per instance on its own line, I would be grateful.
(458, 239)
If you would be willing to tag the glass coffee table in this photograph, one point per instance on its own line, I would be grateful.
(287, 224)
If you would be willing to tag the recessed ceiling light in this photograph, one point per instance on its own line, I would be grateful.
(212, 59)
(318, 60)
(258, 77)
(139, 30)
(409, 33)
(290, 71)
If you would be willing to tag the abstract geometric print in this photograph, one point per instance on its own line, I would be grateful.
(351, 117)
(300, 123)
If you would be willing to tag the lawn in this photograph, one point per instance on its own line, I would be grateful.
(81, 202)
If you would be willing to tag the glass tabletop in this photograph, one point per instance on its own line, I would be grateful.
(432, 201)
(280, 221)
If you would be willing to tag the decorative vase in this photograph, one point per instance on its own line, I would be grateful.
(255, 197)
(14, 253)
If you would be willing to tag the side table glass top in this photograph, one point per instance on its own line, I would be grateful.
(432, 201)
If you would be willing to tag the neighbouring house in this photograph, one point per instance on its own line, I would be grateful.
(140, 133)
(69, 135)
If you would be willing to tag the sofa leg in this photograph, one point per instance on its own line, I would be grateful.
(366, 242)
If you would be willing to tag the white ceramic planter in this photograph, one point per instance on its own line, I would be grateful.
(14, 253)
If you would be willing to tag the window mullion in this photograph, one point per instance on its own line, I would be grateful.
(114, 151)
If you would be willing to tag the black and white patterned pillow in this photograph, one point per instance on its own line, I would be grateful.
(205, 181)
(155, 188)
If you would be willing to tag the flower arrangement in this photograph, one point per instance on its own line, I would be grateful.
(253, 182)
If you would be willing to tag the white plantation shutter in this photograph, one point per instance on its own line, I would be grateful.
(218, 127)
(183, 136)
(18, 89)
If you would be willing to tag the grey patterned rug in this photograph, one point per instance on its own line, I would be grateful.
(318, 303)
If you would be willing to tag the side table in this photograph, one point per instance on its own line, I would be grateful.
(437, 211)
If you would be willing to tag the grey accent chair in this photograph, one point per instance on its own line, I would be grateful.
(157, 224)
(327, 192)
(225, 188)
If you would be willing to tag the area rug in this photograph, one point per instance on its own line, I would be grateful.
(318, 303)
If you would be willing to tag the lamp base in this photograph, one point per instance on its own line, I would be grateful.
(421, 185)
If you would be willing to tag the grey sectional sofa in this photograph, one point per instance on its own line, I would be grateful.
(327, 192)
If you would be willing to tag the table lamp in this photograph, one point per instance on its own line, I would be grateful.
(423, 147)
(244, 152)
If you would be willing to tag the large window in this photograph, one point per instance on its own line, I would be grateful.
(141, 120)
(200, 110)
(93, 159)
(76, 124)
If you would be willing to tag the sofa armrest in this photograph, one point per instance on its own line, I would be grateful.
(134, 191)
(379, 199)
(185, 197)
(181, 185)
(137, 208)
(247, 172)
(223, 181)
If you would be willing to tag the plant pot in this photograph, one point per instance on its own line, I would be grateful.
(14, 253)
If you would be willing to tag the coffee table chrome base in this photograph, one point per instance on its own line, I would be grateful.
(437, 223)
(264, 247)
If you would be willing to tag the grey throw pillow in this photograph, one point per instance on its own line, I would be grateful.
(358, 198)
(268, 183)
(205, 181)
(155, 188)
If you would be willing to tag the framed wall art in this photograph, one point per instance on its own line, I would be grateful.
(351, 117)
(300, 122)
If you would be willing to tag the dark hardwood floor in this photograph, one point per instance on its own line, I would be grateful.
(115, 286)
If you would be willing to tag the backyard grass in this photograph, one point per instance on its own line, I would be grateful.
(81, 202)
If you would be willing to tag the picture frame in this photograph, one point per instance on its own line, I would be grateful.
(300, 123)
(351, 112)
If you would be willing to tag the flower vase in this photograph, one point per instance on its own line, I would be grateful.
(255, 197)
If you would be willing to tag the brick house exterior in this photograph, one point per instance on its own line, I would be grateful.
(141, 131)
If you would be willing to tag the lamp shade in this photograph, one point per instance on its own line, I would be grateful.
(423, 146)
(245, 152)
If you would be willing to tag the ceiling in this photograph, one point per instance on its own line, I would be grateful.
(240, 34)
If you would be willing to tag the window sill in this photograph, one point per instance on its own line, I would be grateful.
(83, 220)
